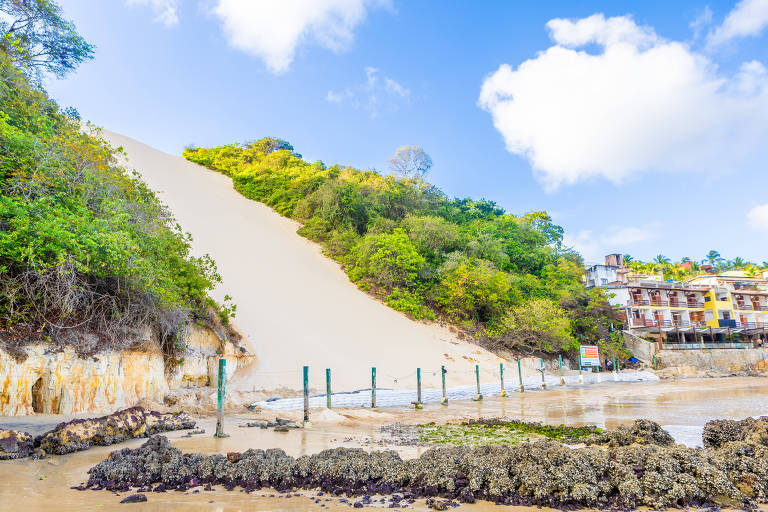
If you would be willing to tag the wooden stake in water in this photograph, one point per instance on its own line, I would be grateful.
(477, 378)
(373, 387)
(418, 403)
(501, 377)
(328, 388)
(520, 375)
(444, 400)
(543, 382)
(306, 397)
(654, 362)
(562, 378)
(614, 362)
(581, 376)
(222, 392)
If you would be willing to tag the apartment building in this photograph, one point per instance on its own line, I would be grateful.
(718, 310)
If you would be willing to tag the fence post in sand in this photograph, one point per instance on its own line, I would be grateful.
(543, 382)
(444, 400)
(373, 387)
(520, 375)
(418, 404)
(654, 362)
(307, 423)
(477, 378)
(581, 375)
(328, 388)
(222, 392)
(562, 378)
(501, 377)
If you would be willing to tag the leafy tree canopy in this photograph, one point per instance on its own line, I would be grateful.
(37, 39)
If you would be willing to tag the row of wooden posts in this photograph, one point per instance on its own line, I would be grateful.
(444, 400)
(418, 403)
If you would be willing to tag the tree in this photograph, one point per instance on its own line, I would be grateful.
(38, 40)
(541, 324)
(410, 161)
(713, 257)
(661, 259)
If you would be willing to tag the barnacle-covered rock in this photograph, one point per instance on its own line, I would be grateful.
(718, 432)
(640, 432)
(15, 444)
(81, 434)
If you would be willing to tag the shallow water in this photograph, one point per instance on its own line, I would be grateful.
(680, 406)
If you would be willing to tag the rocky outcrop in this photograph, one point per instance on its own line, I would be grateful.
(537, 473)
(59, 381)
(719, 432)
(15, 444)
(115, 428)
(639, 432)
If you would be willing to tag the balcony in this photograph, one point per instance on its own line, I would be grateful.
(673, 304)
(667, 324)
(748, 307)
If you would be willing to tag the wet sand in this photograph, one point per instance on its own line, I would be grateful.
(680, 406)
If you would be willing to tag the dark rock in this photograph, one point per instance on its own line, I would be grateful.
(134, 498)
(15, 444)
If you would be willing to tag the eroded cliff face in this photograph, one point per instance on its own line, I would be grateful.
(61, 382)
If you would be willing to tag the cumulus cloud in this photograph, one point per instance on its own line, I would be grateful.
(748, 18)
(166, 11)
(758, 217)
(611, 99)
(375, 93)
(273, 29)
(593, 246)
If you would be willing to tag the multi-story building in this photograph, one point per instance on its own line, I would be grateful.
(723, 310)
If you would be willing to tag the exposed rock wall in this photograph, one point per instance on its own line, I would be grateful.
(61, 382)
(718, 360)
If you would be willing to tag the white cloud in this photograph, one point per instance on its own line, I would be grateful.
(374, 94)
(748, 18)
(637, 103)
(166, 11)
(758, 217)
(273, 29)
(593, 246)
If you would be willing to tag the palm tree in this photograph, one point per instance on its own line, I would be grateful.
(737, 263)
(628, 259)
(713, 257)
(685, 259)
(661, 259)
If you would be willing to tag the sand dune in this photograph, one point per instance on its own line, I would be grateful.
(297, 306)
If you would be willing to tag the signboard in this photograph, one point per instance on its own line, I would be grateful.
(589, 356)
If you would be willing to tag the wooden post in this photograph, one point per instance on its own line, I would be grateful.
(373, 387)
(654, 361)
(418, 403)
(306, 397)
(562, 378)
(477, 378)
(543, 382)
(328, 388)
(614, 362)
(520, 375)
(222, 393)
(501, 377)
(581, 376)
(444, 400)
(711, 336)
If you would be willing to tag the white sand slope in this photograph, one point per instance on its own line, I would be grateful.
(296, 305)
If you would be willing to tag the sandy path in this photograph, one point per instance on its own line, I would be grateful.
(297, 306)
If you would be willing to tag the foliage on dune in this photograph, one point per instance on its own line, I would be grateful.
(463, 261)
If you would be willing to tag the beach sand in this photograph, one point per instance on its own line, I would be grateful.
(296, 306)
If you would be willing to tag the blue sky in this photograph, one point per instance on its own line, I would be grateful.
(639, 126)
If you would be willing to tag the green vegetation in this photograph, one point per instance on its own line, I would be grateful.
(88, 254)
(498, 432)
(504, 278)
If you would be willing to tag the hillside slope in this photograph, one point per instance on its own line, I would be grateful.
(297, 306)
